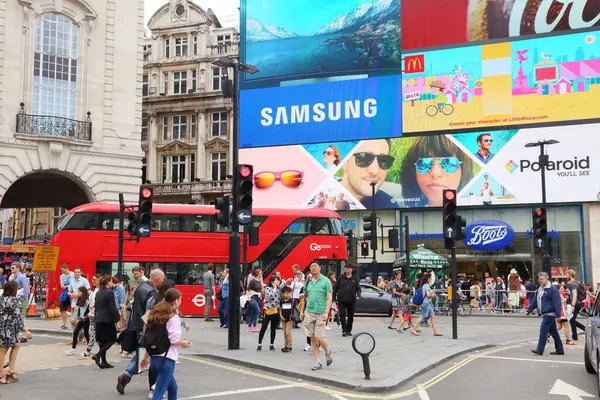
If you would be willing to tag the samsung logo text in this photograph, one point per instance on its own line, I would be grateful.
(319, 112)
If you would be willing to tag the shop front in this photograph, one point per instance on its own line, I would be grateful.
(500, 239)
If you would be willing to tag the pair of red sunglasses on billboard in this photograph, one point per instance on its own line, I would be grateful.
(266, 179)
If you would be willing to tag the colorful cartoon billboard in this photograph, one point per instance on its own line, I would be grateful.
(487, 168)
(433, 23)
(541, 81)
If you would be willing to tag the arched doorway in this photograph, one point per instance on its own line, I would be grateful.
(47, 189)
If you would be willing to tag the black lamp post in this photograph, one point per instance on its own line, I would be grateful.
(233, 342)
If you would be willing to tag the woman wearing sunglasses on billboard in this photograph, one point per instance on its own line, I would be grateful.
(332, 158)
(432, 164)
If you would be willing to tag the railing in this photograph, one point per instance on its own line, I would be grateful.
(46, 125)
(224, 48)
(165, 189)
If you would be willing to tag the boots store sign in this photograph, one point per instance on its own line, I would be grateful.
(489, 235)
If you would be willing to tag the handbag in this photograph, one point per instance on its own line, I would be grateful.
(128, 339)
(64, 296)
(271, 311)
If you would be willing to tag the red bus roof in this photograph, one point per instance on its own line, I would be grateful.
(208, 210)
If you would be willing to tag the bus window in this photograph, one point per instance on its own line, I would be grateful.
(320, 226)
(299, 226)
(195, 223)
(336, 226)
(191, 273)
(80, 221)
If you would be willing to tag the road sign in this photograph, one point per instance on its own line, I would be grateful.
(8, 240)
(450, 233)
(562, 388)
(244, 217)
(539, 243)
(144, 231)
(45, 259)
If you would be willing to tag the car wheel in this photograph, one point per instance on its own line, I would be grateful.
(589, 367)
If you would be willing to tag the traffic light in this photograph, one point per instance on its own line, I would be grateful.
(349, 243)
(461, 225)
(222, 207)
(450, 218)
(244, 190)
(145, 210)
(540, 227)
(133, 223)
(364, 249)
(394, 239)
(370, 229)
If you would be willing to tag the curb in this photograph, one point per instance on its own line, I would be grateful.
(342, 385)
(57, 332)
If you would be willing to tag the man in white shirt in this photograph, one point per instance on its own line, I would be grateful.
(77, 282)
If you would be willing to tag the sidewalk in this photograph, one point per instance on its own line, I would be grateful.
(397, 358)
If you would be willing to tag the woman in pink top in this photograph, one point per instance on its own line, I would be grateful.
(166, 312)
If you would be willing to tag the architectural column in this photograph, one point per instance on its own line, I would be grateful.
(201, 161)
(152, 161)
(202, 43)
(159, 51)
(190, 38)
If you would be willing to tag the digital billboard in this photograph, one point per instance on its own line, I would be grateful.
(487, 169)
(545, 80)
(327, 71)
(432, 23)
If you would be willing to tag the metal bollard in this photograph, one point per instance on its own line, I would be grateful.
(363, 344)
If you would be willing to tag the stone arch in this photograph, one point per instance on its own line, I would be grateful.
(47, 188)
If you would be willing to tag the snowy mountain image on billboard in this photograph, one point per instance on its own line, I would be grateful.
(315, 38)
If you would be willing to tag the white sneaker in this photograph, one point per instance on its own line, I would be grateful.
(308, 347)
(328, 328)
(70, 352)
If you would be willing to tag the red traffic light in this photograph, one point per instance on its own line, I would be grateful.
(540, 212)
(146, 193)
(450, 195)
(245, 171)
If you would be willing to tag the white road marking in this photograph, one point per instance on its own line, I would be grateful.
(533, 360)
(422, 393)
(338, 397)
(241, 391)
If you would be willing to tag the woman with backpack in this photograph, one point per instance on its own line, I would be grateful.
(163, 332)
(423, 297)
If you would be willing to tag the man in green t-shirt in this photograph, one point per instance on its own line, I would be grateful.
(317, 304)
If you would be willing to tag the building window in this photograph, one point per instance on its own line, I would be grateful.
(221, 39)
(193, 127)
(219, 166)
(218, 74)
(55, 61)
(165, 83)
(165, 128)
(145, 85)
(164, 169)
(179, 126)
(181, 47)
(180, 82)
(195, 45)
(144, 129)
(194, 79)
(192, 167)
(178, 169)
(219, 124)
(167, 48)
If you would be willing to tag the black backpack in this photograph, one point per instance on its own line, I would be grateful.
(156, 340)
(581, 292)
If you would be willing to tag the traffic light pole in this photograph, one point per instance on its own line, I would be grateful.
(233, 338)
(543, 160)
(453, 282)
(121, 236)
(374, 232)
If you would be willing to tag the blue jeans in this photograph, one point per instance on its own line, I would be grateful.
(254, 312)
(223, 310)
(165, 378)
(132, 368)
(549, 326)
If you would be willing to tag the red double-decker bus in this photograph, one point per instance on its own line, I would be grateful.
(186, 238)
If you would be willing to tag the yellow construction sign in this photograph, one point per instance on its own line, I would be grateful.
(45, 259)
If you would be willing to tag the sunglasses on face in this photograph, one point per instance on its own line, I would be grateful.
(290, 179)
(365, 159)
(328, 153)
(488, 140)
(448, 164)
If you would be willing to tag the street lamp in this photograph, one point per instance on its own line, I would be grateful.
(233, 341)
(543, 161)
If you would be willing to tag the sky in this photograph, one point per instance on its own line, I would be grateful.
(288, 13)
(220, 7)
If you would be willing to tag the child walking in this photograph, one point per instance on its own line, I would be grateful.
(407, 311)
(287, 320)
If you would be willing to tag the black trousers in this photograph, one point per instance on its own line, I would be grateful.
(104, 346)
(81, 324)
(573, 321)
(265, 322)
(347, 308)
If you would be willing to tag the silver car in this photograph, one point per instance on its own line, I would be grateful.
(591, 352)
(373, 301)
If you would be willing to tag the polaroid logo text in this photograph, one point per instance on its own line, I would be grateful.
(558, 165)
(333, 111)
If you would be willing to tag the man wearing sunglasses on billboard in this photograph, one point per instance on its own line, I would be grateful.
(370, 162)
(484, 154)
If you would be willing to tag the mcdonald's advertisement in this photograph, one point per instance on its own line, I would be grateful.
(522, 83)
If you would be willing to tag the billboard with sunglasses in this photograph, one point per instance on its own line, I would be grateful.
(542, 81)
(475, 20)
(487, 168)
